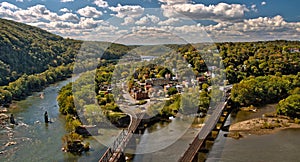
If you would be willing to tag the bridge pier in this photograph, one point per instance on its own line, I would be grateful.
(122, 158)
(126, 139)
(201, 155)
(208, 142)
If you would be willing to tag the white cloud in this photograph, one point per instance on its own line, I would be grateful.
(101, 3)
(219, 12)
(19, 0)
(148, 20)
(89, 12)
(170, 21)
(263, 3)
(8, 6)
(89, 23)
(64, 10)
(261, 28)
(65, 1)
(266, 23)
(127, 10)
(35, 13)
(7, 10)
(69, 17)
(86, 23)
(253, 8)
(128, 20)
(172, 2)
(83, 24)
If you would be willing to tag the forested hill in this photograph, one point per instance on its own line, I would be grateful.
(29, 50)
(26, 49)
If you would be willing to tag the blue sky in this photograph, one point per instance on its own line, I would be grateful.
(194, 21)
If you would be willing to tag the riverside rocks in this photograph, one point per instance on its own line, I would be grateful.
(261, 126)
(3, 119)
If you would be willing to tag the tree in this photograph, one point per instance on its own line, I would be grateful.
(172, 91)
(290, 106)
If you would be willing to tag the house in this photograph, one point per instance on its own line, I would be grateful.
(294, 50)
(167, 76)
(202, 79)
(159, 81)
(179, 88)
(166, 87)
(104, 87)
(140, 95)
(186, 83)
(148, 86)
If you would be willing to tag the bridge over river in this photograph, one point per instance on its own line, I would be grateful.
(199, 141)
(116, 152)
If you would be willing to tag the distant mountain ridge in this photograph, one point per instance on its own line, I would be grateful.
(25, 49)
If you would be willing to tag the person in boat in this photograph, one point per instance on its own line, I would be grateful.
(46, 117)
(12, 119)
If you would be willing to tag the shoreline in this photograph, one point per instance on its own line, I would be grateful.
(260, 126)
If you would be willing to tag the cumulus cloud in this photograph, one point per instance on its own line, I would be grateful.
(68, 17)
(7, 10)
(266, 23)
(170, 21)
(33, 14)
(64, 10)
(261, 28)
(8, 6)
(253, 8)
(172, 2)
(148, 20)
(219, 12)
(128, 10)
(128, 21)
(89, 23)
(36, 13)
(65, 1)
(263, 3)
(19, 0)
(101, 3)
(85, 23)
(89, 12)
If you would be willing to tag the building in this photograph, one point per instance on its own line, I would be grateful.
(159, 81)
(179, 88)
(140, 95)
(294, 50)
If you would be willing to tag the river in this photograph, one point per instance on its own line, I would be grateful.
(36, 141)
(280, 146)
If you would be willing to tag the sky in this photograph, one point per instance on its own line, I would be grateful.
(160, 21)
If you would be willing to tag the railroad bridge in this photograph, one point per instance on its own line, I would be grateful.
(219, 115)
(116, 152)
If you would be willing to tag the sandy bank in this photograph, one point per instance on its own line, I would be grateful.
(261, 126)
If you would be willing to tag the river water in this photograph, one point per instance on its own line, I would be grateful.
(281, 146)
(33, 139)
(37, 141)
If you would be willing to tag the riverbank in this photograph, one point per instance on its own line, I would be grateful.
(261, 126)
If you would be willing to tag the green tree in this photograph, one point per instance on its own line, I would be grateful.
(290, 106)
(172, 91)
